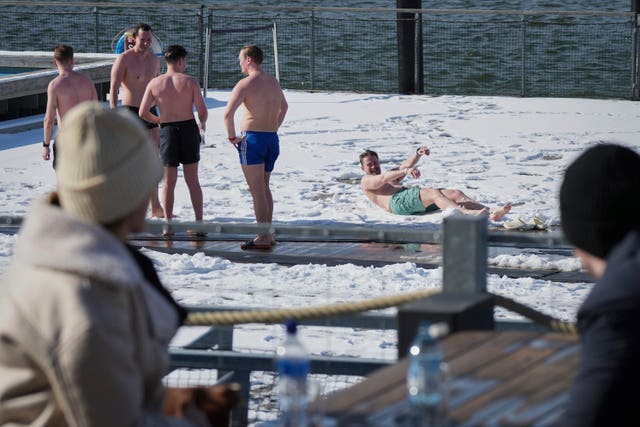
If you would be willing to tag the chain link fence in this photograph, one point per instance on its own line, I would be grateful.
(513, 53)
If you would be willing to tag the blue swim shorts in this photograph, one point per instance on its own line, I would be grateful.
(258, 148)
(407, 202)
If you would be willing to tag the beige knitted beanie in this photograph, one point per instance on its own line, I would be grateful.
(106, 163)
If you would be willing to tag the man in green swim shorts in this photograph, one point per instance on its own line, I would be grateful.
(385, 190)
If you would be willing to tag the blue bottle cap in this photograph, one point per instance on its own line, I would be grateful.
(291, 325)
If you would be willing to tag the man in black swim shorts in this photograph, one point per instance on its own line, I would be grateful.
(176, 94)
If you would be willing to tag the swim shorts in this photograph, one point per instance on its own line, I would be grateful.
(259, 147)
(136, 111)
(407, 202)
(179, 143)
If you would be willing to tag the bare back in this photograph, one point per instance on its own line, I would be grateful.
(70, 89)
(175, 96)
(262, 102)
(134, 70)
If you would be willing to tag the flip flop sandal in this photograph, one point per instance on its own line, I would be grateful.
(250, 244)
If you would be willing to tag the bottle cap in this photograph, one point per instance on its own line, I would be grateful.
(291, 325)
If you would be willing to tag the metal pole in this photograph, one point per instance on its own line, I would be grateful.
(523, 54)
(419, 71)
(207, 54)
(200, 15)
(275, 50)
(635, 90)
(95, 29)
(312, 60)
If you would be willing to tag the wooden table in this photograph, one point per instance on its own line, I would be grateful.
(513, 378)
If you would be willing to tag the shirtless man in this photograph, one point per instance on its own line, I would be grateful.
(176, 93)
(134, 69)
(264, 107)
(384, 190)
(63, 93)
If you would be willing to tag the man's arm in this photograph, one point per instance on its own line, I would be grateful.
(235, 100)
(117, 74)
(49, 120)
(147, 101)
(201, 107)
(413, 159)
(375, 182)
(284, 107)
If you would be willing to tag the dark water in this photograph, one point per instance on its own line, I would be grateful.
(492, 54)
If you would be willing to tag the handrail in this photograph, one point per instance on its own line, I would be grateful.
(244, 7)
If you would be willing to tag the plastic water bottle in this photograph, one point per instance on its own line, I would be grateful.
(292, 363)
(427, 375)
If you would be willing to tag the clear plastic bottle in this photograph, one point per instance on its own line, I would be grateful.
(292, 363)
(427, 375)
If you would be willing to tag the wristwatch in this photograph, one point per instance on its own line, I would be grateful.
(44, 144)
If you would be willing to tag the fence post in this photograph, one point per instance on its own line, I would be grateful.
(464, 303)
(207, 56)
(312, 62)
(200, 16)
(276, 58)
(523, 63)
(406, 45)
(419, 71)
(635, 90)
(96, 29)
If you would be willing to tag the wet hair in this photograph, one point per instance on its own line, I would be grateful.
(141, 26)
(174, 53)
(254, 52)
(63, 53)
(367, 153)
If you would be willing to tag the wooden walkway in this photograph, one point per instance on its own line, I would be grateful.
(334, 253)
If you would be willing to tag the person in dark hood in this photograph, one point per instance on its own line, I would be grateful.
(600, 214)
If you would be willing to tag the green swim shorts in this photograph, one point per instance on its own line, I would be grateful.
(407, 202)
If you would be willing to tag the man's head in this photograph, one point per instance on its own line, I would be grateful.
(106, 166)
(143, 36)
(600, 198)
(370, 163)
(248, 56)
(174, 53)
(63, 54)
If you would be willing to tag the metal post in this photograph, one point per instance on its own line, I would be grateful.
(96, 28)
(523, 54)
(635, 89)
(419, 71)
(200, 15)
(312, 61)
(464, 254)
(207, 55)
(406, 45)
(275, 50)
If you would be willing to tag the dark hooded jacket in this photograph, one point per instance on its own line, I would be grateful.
(605, 390)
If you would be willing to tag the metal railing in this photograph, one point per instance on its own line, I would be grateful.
(467, 52)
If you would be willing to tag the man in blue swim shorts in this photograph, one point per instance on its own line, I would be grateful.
(385, 190)
(264, 110)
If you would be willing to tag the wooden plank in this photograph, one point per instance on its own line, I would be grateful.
(387, 386)
(528, 386)
(337, 253)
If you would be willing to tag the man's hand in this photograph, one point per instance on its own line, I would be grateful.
(422, 151)
(46, 152)
(412, 172)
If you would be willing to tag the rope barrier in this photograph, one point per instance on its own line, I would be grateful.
(204, 318)
(280, 315)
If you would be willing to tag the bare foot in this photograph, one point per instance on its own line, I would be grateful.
(474, 212)
(497, 214)
(157, 213)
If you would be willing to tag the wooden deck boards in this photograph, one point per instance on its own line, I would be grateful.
(337, 253)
